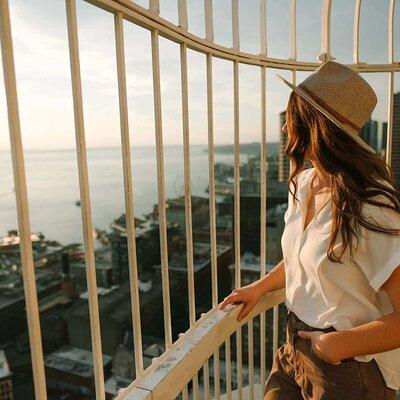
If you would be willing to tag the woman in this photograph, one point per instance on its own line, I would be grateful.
(341, 250)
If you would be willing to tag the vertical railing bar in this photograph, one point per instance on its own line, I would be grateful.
(392, 7)
(213, 224)
(187, 183)
(85, 199)
(206, 375)
(389, 134)
(235, 25)
(263, 216)
(228, 368)
(155, 55)
(154, 6)
(326, 31)
(182, 14)
(250, 345)
(236, 46)
(263, 28)
(185, 393)
(24, 230)
(389, 137)
(209, 24)
(188, 191)
(356, 32)
(183, 22)
(237, 216)
(263, 189)
(293, 30)
(128, 190)
(209, 20)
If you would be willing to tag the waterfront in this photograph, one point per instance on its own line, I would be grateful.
(53, 186)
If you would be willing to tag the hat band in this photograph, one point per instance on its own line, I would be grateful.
(323, 104)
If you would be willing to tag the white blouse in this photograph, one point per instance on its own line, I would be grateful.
(323, 293)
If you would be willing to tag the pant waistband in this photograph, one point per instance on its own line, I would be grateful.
(298, 324)
(295, 324)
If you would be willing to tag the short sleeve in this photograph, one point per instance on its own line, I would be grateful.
(378, 254)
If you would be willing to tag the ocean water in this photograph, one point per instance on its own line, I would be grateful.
(53, 186)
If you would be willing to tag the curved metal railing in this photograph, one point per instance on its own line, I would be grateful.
(169, 374)
(127, 10)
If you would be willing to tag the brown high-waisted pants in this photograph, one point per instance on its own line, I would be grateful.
(298, 373)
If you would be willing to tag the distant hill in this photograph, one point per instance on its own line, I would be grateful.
(252, 148)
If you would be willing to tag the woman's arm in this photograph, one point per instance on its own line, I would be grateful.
(273, 280)
(376, 336)
(250, 294)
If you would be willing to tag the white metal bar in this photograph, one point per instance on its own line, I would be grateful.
(185, 393)
(228, 368)
(154, 6)
(356, 32)
(293, 30)
(237, 215)
(213, 229)
(392, 7)
(21, 196)
(162, 218)
(326, 31)
(209, 20)
(85, 199)
(187, 184)
(206, 375)
(188, 192)
(263, 28)
(209, 25)
(235, 25)
(211, 178)
(250, 348)
(128, 190)
(263, 213)
(182, 14)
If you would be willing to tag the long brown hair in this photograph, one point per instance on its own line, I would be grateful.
(356, 174)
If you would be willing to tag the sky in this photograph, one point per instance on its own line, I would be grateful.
(44, 85)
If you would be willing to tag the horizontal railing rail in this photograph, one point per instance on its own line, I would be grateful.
(149, 19)
(168, 374)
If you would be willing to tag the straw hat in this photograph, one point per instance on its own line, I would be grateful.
(341, 94)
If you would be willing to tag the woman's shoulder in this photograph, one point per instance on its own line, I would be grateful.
(378, 212)
(303, 175)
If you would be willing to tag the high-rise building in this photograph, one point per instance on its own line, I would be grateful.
(395, 159)
(369, 133)
(383, 140)
(283, 162)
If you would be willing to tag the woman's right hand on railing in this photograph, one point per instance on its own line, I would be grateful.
(249, 295)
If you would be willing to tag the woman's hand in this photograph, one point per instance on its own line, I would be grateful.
(249, 295)
(319, 345)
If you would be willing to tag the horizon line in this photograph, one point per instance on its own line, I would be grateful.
(119, 147)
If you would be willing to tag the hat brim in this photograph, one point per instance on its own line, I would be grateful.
(346, 128)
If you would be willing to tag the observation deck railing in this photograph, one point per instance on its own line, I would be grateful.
(183, 358)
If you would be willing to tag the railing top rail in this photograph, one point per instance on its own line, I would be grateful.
(150, 20)
(170, 372)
